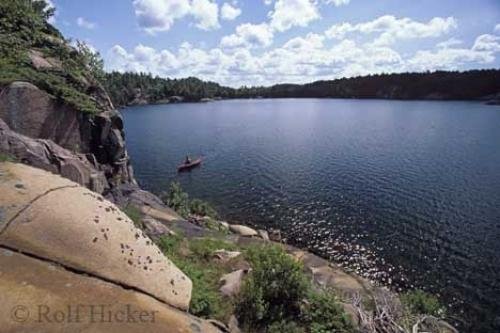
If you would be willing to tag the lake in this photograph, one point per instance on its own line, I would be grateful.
(404, 192)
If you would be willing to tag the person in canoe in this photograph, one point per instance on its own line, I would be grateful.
(188, 164)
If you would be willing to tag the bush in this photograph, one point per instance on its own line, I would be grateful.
(135, 215)
(177, 199)
(202, 208)
(420, 302)
(192, 258)
(274, 290)
(324, 314)
(278, 297)
(170, 245)
(206, 301)
(205, 247)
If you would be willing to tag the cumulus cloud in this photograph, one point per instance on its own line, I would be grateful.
(207, 13)
(300, 59)
(248, 35)
(290, 13)
(488, 43)
(449, 43)
(229, 12)
(159, 15)
(391, 29)
(451, 58)
(83, 23)
(245, 58)
(497, 28)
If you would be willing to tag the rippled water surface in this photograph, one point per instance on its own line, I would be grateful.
(404, 192)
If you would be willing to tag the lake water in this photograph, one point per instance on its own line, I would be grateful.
(405, 192)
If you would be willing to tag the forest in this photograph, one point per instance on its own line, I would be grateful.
(131, 88)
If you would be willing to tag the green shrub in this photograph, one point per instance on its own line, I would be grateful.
(420, 302)
(324, 314)
(205, 247)
(274, 290)
(170, 245)
(135, 215)
(192, 258)
(206, 300)
(6, 158)
(177, 199)
(278, 297)
(202, 208)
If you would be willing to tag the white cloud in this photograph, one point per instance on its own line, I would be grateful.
(238, 61)
(248, 35)
(309, 42)
(497, 28)
(338, 2)
(229, 12)
(159, 15)
(207, 13)
(449, 43)
(338, 31)
(448, 58)
(391, 29)
(488, 43)
(83, 23)
(290, 13)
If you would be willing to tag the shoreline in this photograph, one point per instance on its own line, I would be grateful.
(483, 100)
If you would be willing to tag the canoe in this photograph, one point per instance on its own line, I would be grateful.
(189, 166)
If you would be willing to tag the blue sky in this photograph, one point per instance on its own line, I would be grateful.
(261, 42)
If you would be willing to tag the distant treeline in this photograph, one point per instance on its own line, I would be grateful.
(137, 88)
(132, 88)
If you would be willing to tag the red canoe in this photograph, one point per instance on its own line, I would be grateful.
(189, 166)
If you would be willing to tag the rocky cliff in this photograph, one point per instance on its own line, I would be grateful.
(97, 138)
(71, 261)
(51, 89)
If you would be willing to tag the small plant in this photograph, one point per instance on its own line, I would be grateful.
(6, 158)
(205, 247)
(206, 301)
(323, 313)
(135, 215)
(274, 290)
(170, 244)
(278, 297)
(177, 199)
(202, 208)
(418, 302)
(192, 257)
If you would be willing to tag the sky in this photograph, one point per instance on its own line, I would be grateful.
(263, 42)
